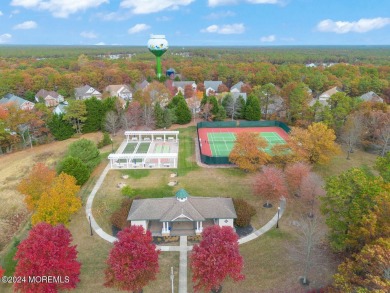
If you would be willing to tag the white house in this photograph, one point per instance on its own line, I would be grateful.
(119, 90)
(180, 85)
(182, 214)
(211, 87)
(87, 92)
(51, 98)
(324, 97)
(237, 87)
(371, 97)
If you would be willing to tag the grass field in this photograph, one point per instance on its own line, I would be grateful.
(267, 265)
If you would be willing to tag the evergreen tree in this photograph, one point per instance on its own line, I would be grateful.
(76, 168)
(169, 117)
(59, 128)
(252, 109)
(159, 116)
(221, 114)
(183, 113)
(213, 101)
(95, 115)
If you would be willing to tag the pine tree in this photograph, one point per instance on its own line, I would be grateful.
(59, 128)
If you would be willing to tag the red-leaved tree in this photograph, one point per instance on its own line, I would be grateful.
(270, 184)
(294, 174)
(216, 257)
(1, 272)
(133, 261)
(47, 252)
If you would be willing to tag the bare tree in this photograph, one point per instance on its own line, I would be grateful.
(112, 122)
(206, 111)
(231, 105)
(133, 116)
(352, 131)
(148, 116)
(307, 249)
(312, 187)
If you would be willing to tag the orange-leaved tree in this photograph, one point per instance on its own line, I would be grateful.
(248, 153)
(35, 184)
(316, 144)
(59, 202)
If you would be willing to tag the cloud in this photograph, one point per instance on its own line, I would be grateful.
(5, 38)
(361, 26)
(151, 6)
(213, 3)
(88, 35)
(163, 18)
(1, 13)
(268, 39)
(114, 16)
(218, 15)
(138, 28)
(59, 8)
(227, 29)
(100, 44)
(27, 25)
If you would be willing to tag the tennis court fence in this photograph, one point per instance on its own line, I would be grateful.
(234, 124)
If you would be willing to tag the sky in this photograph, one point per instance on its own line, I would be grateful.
(195, 22)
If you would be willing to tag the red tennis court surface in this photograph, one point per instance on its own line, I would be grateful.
(209, 147)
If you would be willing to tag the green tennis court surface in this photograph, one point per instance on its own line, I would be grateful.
(221, 143)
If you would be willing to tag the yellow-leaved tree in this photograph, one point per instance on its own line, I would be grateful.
(248, 153)
(59, 202)
(316, 144)
(35, 184)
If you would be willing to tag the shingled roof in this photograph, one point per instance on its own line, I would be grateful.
(171, 208)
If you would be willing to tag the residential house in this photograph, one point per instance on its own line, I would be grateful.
(87, 92)
(211, 87)
(119, 90)
(18, 101)
(180, 85)
(237, 87)
(142, 85)
(324, 97)
(60, 108)
(371, 97)
(51, 98)
(182, 214)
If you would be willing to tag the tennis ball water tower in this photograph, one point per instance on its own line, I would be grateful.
(158, 45)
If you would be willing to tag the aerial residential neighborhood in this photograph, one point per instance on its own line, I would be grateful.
(194, 146)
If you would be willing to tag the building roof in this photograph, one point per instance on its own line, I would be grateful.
(212, 84)
(11, 98)
(237, 95)
(142, 85)
(171, 208)
(237, 86)
(60, 108)
(44, 93)
(86, 90)
(330, 92)
(182, 84)
(371, 97)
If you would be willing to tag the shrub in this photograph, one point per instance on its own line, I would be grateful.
(105, 141)
(119, 217)
(127, 191)
(86, 150)
(76, 168)
(245, 212)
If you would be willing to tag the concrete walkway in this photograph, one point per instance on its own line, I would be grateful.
(183, 265)
(183, 248)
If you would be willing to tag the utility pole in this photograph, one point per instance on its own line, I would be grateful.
(172, 277)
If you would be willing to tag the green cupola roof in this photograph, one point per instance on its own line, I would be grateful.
(182, 194)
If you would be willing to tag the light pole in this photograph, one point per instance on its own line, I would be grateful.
(90, 223)
(112, 146)
(277, 221)
(172, 276)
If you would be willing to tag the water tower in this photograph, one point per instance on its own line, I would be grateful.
(158, 45)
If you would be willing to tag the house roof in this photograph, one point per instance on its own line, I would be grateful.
(237, 86)
(11, 98)
(82, 91)
(60, 108)
(237, 95)
(142, 85)
(330, 92)
(212, 84)
(44, 93)
(170, 208)
(182, 84)
(116, 88)
(372, 97)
